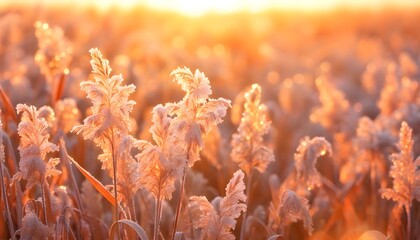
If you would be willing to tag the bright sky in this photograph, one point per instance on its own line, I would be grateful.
(198, 7)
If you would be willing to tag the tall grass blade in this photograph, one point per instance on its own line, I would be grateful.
(95, 183)
(139, 230)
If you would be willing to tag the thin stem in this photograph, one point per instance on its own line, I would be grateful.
(11, 157)
(133, 208)
(408, 211)
(6, 204)
(157, 218)
(66, 161)
(44, 206)
(181, 193)
(373, 185)
(178, 208)
(191, 223)
(114, 167)
(248, 193)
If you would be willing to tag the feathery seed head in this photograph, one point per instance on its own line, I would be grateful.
(247, 145)
(218, 218)
(110, 119)
(404, 171)
(307, 153)
(196, 113)
(33, 228)
(34, 146)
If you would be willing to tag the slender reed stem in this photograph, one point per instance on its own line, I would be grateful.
(12, 163)
(114, 167)
(6, 204)
(178, 208)
(373, 186)
(10, 110)
(408, 211)
(248, 193)
(133, 208)
(191, 223)
(57, 90)
(181, 193)
(64, 157)
(44, 206)
(158, 210)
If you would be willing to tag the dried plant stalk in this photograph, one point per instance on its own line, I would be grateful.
(33, 148)
(307, 153)
(218, 218)
(3, 186)
(7, 105)
(196, 115)
(405, 174)
(110, 121)
(248, 149)
(162, 163)
(53, 56)
(289, 209)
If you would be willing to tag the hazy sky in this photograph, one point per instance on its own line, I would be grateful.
(197, 7)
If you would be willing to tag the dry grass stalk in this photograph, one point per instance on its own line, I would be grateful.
(215, 220)
(7, 104)
(196, 115)
(405, 175)
(33, 148)
(306, 156)
(59, 87)
(290, 208)
(248, 149)
(110, 121)
(53, 57)
(5, 199)
(162, 163)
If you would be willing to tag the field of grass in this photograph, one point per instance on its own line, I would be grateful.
(146, 124)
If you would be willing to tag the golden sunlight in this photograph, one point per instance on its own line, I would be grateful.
(210, 119)
(196, 8)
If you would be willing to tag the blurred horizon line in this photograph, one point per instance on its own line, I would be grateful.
(223, 7)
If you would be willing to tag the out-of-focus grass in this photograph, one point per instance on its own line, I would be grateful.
(348, 76)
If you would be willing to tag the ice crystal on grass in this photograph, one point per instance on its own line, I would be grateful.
(290, 209)
(196, 86)
(33, 228)
(128, 170)
(34, 147)
(307, 153)
(404, 171)
(109, 126)
(247, 145)
(370, 135)
(218, 218)
(197, 113)
(161, 164)
(110, 111)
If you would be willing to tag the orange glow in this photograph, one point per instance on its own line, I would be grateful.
(304, 113)
(196, 8)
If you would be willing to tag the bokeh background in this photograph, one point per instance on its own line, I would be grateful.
(367, 53)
